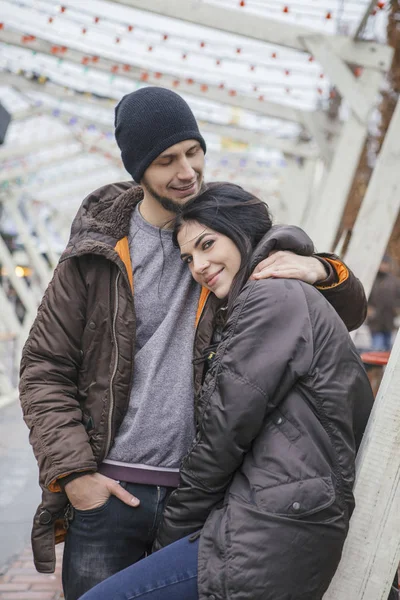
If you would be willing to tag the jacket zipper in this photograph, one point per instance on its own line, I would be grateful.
(116, 347)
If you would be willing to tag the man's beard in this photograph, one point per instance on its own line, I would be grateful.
(167, 203)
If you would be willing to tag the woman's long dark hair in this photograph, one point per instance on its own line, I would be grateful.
(230, 210)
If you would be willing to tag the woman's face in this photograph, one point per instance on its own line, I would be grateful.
(212, 257)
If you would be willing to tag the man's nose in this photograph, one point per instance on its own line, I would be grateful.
(186, 170)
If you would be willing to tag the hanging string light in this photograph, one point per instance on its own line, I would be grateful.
(86, 60)
(286, 9)
(202, 44)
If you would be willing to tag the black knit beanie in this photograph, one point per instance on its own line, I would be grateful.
(147, 122)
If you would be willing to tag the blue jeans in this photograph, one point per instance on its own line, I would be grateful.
(169, 574)
(105, 540)
(381, 341)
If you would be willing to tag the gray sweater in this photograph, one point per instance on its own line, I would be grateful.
(158, 428)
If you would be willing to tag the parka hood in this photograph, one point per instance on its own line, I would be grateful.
(282, 237)
(103, 218)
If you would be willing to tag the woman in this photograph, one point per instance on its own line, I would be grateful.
(265, 494)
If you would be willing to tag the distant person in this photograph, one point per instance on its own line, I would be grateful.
(383, 306)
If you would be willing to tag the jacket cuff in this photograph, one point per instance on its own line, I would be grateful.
(340, 269)
(331, 278)
(62, 482)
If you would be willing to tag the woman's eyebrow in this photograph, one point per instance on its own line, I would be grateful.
(200, 238)
(197, 242)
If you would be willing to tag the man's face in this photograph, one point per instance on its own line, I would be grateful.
(176, 175)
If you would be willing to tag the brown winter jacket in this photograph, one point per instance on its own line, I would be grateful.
(77, 362)
(269, 477)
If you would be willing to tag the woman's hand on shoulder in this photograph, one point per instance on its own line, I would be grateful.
(288, 265)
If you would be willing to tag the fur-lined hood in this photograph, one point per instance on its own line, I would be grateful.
(103, 218)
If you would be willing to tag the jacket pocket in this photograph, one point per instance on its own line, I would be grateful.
(296, 499)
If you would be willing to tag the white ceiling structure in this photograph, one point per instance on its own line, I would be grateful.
(258, 74)
(74, 61)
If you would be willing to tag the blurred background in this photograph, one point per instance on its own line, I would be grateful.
(296, 101)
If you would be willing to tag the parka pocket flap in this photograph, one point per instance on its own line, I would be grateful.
(297, 498)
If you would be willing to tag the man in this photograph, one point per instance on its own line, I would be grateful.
(106, 374)
(383, 306)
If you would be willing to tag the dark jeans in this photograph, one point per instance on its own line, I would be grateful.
(169, 574)
(105, 540)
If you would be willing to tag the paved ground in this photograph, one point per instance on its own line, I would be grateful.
(20, 580)
(19, 497)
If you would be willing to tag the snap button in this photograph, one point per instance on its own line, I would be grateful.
(296, 506)
(92, 325)
(45, 517)
(279, 421)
